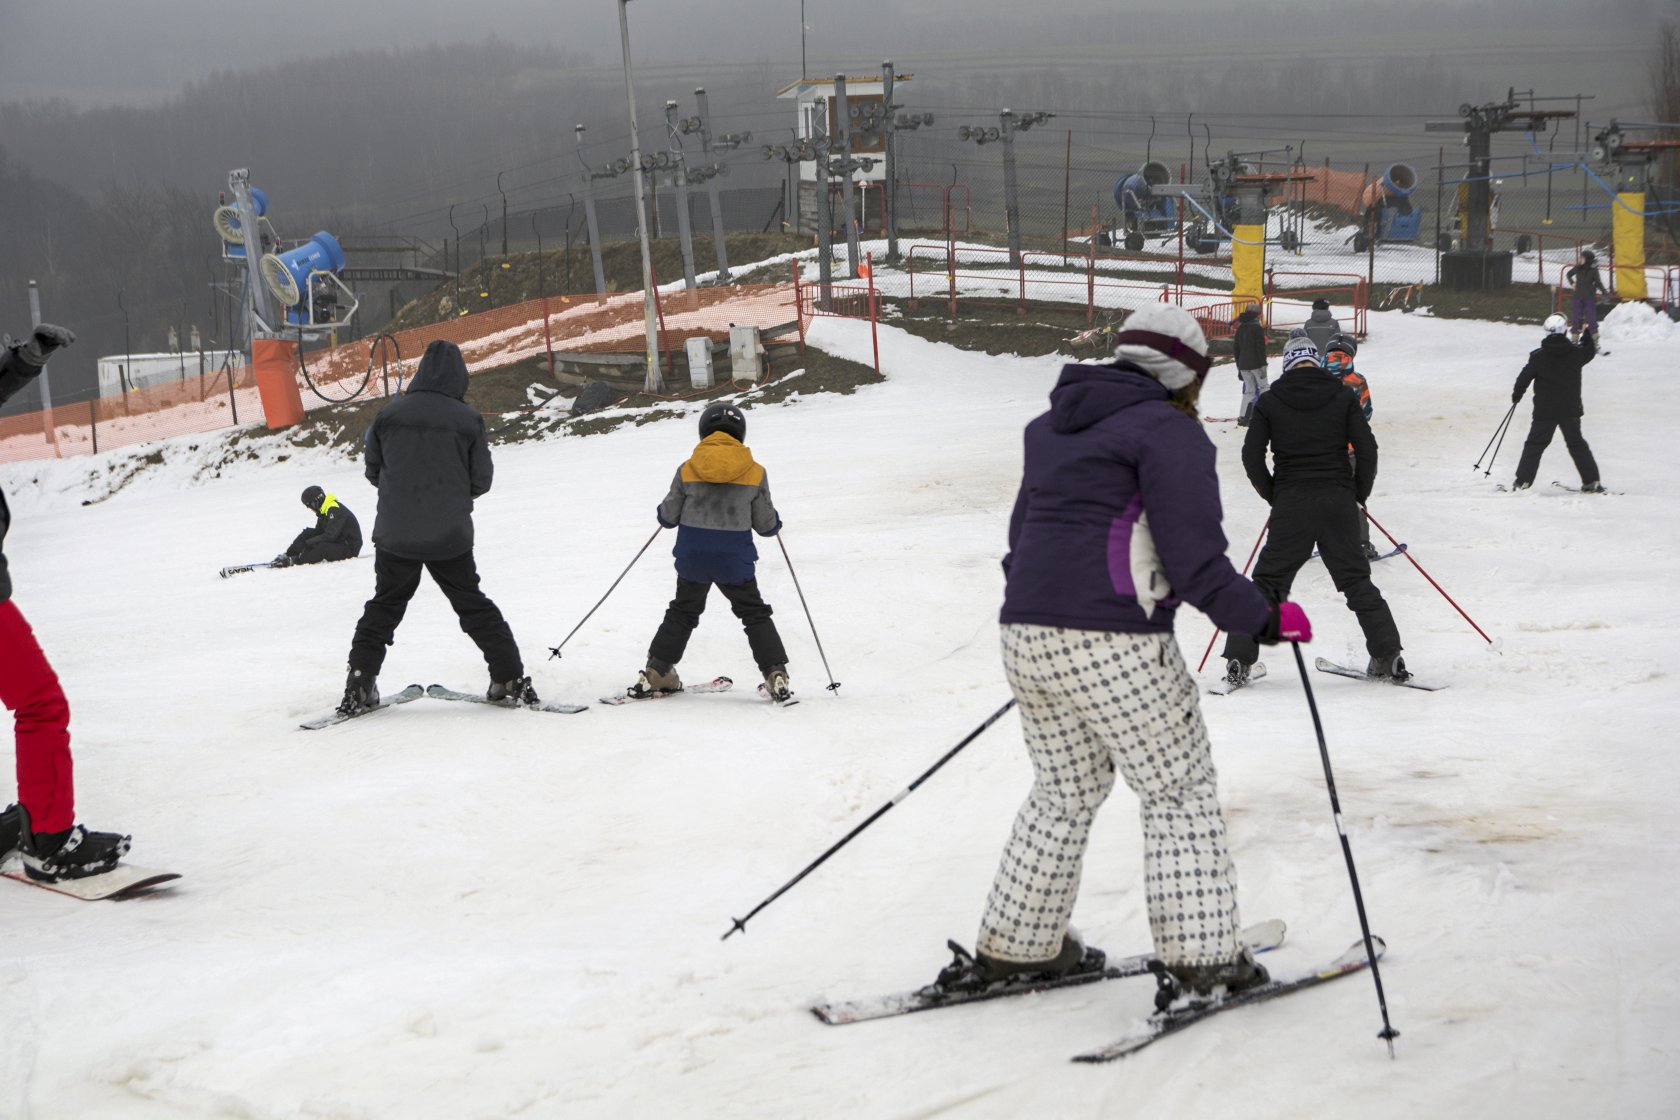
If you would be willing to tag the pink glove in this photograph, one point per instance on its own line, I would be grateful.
(1292, 623)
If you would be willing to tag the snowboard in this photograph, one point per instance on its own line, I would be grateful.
(716, 684)
(1325, 666)
(126, 880)
(1163, 1023)
(1224, 687)
(412, 692)
(1259, 938)
(439, 692)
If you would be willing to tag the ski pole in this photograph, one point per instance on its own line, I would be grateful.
(1388, 1034)
(1499, 434)
(1501, 442)
(741, 923)
(554, 651)
(1251, 555)
(1407, 553)
(833, 685)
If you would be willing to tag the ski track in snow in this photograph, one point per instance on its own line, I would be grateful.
(453, 911)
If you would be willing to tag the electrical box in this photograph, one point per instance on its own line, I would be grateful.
(699, 362)
(746, 353)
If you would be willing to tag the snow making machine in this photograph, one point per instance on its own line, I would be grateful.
(1386, 213)
(1144, 212)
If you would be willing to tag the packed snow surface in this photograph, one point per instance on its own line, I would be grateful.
(446, 910)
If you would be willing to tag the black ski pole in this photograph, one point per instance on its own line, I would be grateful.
(1501, 442)
(1388, 1034)
(554, 651)
(741, 923)
(833, 685)
(1498, 434)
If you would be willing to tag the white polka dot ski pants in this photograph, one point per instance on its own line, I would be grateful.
(1092, 703)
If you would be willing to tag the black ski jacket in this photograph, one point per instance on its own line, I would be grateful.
(1555, 369)
(15, 372)
(428, 455)
(1309, 419)
(335, 524)
(1587, 283)
(1249, 342)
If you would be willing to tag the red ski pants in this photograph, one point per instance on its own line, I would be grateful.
(30, 689)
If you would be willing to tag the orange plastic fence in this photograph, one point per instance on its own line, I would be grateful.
(488, 340)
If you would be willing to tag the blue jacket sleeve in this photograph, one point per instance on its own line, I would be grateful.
(1180, 489)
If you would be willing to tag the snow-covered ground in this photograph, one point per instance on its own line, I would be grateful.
(453, 911)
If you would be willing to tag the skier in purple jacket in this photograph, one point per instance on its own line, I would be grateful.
(1116, 522)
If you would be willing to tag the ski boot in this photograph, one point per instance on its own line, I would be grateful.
(1519, 484)
(11, 832)
(1369, 550)
(1199, 984)
(361, 691)
(654, 681)
(776, 684)
(74, 853)
(1594, 487)
(1389, 667)
(1236, 673)
(515, 693)
(975, 972)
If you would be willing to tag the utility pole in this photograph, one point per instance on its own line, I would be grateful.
(589, 177)
(891, 185)
(654, 380)
(503, 193)
(679, 172)
(842, 115)
(713, 170)
(1009, 123)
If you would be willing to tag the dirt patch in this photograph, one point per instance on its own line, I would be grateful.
(1520, 303)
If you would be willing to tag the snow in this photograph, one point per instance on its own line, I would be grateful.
(453, 911)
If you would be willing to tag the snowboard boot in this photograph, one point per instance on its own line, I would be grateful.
(75, 853)
(654, 681)
(776, 684)
(1236, 673)
(11, 832)
(516, 692)
(1205, 983)
(1389, 667)
(975, 972)
(361, 691)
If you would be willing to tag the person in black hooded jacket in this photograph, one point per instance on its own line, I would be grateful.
(1555, 371)
(1248, 345)
(336, 534)
(428, 455)
(1309, 419)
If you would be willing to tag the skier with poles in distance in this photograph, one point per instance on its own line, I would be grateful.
(1308, 420)
(718, 499)
(1583, 301)
(427, 453)
(1555, 371)
(1338, 359)
(42, 826)
(1249, 347)
(1118, 520)
(336, 534)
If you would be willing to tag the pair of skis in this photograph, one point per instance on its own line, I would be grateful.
(436, 692)
(1259, 939)
(1224, 686)
(716, 684)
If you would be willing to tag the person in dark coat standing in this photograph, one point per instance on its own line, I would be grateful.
(1308, 420)
(1555, 371)
(1249, 345)
(1583, 301)
(1321, 326)
(1116, 522)
(336, 534)
(428, 455)
(42, 826)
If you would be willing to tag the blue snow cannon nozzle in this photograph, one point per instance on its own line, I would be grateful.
(287, 274)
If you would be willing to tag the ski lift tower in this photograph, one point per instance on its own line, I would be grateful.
(287, 298)
(1474, 265)
(1251, 188)
(1629, 162)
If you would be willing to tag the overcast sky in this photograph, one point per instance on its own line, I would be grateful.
(104, 51)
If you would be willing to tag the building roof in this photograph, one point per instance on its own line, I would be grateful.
(806, 85)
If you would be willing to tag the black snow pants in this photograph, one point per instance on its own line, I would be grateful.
(320, 552)
(683, 615)
(1540, 437)
(1323, 513)
(396, 578)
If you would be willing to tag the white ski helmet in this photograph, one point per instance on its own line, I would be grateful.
(1555, 324)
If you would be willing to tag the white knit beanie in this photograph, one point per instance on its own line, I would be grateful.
(1166, 343)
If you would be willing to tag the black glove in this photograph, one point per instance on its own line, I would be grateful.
(283, 561)
(1516, 398)
(44, 341)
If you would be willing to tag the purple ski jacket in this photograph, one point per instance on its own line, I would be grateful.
(1118, 516)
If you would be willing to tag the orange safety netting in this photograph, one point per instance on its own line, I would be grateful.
(488, 340)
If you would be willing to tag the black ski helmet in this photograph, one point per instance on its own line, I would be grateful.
(723, 417)
(313, 496)
(1343, 342)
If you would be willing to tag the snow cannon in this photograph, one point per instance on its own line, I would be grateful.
(288, 274)
(1386, 210)
(226, 219)
(1142, 212)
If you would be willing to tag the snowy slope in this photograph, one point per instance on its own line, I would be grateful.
(452, 911)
